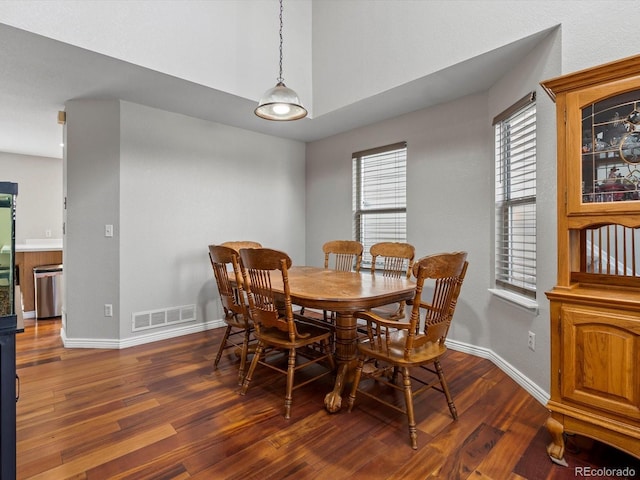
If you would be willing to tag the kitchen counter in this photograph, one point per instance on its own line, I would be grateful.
(40, 245)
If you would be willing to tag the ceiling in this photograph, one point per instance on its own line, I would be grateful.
(39, 75)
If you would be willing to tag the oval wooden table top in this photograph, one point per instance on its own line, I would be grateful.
(328, 289)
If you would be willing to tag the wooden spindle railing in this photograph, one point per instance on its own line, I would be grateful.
(609, 251)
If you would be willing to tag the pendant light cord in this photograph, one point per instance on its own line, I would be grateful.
(280, 79)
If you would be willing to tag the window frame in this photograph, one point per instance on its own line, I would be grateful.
(515, 263)
(359, 212)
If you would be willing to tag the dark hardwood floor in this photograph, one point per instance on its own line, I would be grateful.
(159, 411)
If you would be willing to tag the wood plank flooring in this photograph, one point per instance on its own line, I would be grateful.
(160, 411)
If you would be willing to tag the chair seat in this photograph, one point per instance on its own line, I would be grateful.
(393, 311)
(238, 322)
(308, 334)
(394, 352)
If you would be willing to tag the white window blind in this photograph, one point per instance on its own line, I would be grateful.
(515, 187)
(380, 196)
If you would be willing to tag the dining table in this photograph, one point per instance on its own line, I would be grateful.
(344, 293)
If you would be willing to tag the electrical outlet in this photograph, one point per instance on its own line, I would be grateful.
(108, 310)
(532, 341)
(47, 233)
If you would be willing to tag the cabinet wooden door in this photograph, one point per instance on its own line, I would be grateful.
(600, 364)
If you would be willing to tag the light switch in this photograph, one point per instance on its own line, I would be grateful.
(108, 230)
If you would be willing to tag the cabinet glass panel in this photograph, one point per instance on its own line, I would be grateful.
(611, 149)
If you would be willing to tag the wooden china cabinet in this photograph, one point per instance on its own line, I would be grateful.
(595, 306)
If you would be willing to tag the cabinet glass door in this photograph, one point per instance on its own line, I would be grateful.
(611, 149)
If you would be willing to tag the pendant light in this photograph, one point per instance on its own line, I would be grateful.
(280, 102)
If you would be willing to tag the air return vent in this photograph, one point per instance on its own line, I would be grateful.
(163, 317)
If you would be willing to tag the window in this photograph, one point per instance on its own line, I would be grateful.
(515, 187)
(380, 196)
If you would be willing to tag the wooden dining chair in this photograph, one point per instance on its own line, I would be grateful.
(237, 245)
(392, 260)
(391, 345)
(276, 331)
(342, 255)
(225, 260)
(347, 255)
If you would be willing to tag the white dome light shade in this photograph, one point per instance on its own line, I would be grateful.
(280, 103)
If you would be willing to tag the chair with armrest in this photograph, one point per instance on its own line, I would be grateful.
(278, 331)
(392, 345)
(225, 261)
(393, 260)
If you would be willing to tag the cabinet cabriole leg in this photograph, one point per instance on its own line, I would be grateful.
(556, 448)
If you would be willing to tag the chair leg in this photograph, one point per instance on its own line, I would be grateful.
(243, 355)
(408, 399)
(356, 381)
(291, 368)
(445, 389)
(223, 344)
(399, 314)
(329, 317)
(328, 350)
(252, 367)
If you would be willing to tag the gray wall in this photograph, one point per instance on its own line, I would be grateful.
(362, 48)
(450, 205)
(92, 186)
(170, 185)
(39, 203)
(187, 183)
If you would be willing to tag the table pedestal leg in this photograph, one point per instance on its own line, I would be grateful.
(345, 357)
(333, 399)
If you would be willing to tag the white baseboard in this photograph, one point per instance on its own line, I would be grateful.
(138, 339)
(534, 390)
